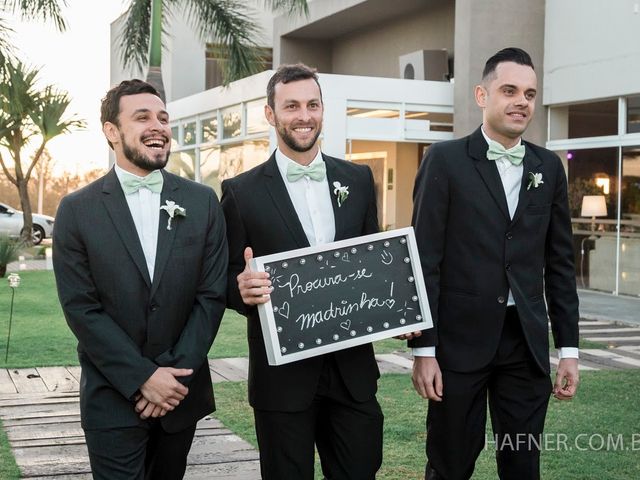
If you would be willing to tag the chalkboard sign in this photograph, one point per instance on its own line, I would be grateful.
(341, 294)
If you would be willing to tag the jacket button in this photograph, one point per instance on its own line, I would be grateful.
(509, 235)
(153, 308)
(507, 266)
(501, 299)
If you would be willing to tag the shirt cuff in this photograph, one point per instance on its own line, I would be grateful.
(567, 352)
(424, 352)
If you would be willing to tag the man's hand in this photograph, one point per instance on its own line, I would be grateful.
(427, 378)
(163, 390)
(254, 287)
(409, 336)
(147, 409)
(567, 379)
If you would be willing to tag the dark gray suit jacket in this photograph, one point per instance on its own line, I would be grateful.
(126, 325)
(472, 253)
(260, 215)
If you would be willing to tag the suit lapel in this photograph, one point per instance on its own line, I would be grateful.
(170, 191)
(118, 210)
(488, 171)
(339, 213)
(530, 164)
(280, 196)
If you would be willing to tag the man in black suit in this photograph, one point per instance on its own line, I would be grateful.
(290, 202)
(493, 228)
(140, 260)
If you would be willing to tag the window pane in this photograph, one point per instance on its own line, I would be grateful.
(592, 173)
(231, 120)
(256, 121)
(629, 280)
(593, 119)
(210, 168)
(210, 129)
(189, 132)
(183, 164)
(633, 114)
(372, 113)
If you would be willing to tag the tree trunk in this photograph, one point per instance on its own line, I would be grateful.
(154, 77)
(25, 204)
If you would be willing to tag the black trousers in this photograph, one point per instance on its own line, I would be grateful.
(145, 452)
(518, 393)
(348, 435)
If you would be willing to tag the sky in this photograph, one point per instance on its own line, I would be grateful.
(76, 61)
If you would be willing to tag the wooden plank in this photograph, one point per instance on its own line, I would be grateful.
(76, 372)
(6, 384)
(27, 380)
(41, 420)
(48, 442)
(36, 397)
(20, 400)
(44, 431)
(79, 476)
(36, 411)
(227, 370)
(245, 470)
(58, 379)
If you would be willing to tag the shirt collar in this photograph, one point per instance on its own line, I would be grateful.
(283, 162)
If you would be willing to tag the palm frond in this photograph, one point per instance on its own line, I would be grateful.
(6, 48)
(46, 10)
(292, 7)
(134, 38)
(229, 24)
(18, 98)
(48, 116)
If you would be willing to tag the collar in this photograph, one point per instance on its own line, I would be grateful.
(283, 162)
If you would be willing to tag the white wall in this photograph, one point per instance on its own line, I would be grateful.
(592, 50)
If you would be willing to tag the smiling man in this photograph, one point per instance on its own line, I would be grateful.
(494, 233)
(140, 260)
(290, 202)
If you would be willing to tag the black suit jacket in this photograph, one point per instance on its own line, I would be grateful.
(260, 215)
(126, 325)
(472, 253)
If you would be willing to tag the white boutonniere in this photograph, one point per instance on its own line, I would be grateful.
(174, 210)
(535, 179)
(342, 192)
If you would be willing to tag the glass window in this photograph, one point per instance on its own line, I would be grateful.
(183, 164)
(593, 119)
(175, 132)
(210, 168)
(256, 121)
(209, 130)
(629, 274)
(189, 133)
(232, 122)
(633, 114)
(593, 172)
(373, 113)
(439, 122)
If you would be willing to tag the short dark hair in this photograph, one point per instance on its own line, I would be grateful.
(510, 54)
(290, 73)
(110, 106)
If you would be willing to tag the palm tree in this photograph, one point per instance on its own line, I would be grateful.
(45, 10)
(29, 116)
(226, 21)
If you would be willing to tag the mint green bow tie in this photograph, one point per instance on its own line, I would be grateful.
(316, 171)
(131, 183)
(513, 154)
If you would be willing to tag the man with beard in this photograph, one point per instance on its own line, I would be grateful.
(140, 260)
(290, 202)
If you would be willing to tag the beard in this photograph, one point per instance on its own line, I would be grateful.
(294, 144)
(149, 163)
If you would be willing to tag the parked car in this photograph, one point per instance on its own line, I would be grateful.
(11, 222)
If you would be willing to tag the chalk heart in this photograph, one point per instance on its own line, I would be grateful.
(284, 310)
(346, 324)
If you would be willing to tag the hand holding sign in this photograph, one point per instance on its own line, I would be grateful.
(254, 287)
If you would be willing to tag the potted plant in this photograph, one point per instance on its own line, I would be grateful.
(8, 253)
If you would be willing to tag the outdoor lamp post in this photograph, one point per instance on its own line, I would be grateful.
(14, 282)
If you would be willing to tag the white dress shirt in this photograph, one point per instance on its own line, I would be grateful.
(511, 176)
(312, 202)
(144, 206)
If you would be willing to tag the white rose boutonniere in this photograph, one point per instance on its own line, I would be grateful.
(174, 210)
(341, 192)
(535, 180)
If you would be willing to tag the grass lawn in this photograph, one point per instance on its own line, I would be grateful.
(605, 408)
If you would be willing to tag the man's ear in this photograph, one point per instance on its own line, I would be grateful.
(269, 115)
(111, 132)
(481, 96)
